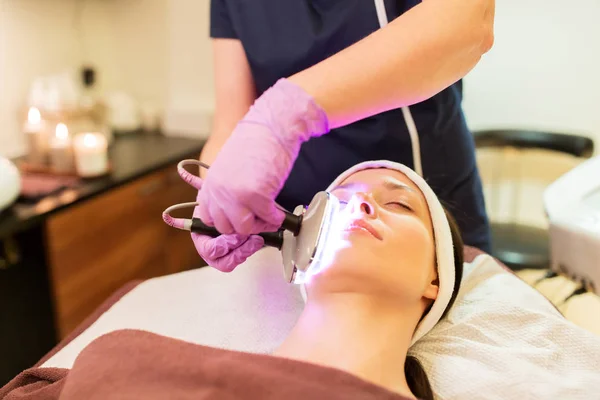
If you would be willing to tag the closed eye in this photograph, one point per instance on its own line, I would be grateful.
(398, 204)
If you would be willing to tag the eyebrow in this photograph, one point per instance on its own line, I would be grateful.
(388, 184)
(392, 185)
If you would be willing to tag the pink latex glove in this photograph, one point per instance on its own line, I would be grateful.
(240, 188)
(224, 252)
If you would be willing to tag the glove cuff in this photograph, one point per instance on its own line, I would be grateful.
(292, 113)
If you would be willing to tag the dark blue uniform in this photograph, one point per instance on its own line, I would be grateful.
(283, 37)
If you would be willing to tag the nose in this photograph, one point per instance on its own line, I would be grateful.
(363, 203)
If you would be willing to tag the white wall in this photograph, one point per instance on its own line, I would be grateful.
(126, 40)
(543, 71)
(43, 37)
(138, 60)
(156, 50)
(190, 68)
(36, 37)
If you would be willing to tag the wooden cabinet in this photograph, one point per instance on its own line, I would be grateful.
(96, 247)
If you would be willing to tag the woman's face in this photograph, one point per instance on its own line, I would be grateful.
(382, 242)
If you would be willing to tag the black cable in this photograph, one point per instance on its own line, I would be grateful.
(581, 290)
(548, 275)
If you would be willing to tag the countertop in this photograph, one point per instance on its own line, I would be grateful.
(131, 157)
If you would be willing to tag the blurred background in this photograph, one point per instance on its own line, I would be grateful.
(136, 75)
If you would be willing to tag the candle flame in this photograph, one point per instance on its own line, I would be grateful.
(34, 116)
(90, 140)
(62, 132)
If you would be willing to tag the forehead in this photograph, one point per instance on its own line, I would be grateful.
(377, 176)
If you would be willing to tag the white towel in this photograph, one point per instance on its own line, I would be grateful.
(504, 340)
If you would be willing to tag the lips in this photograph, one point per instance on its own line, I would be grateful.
(362, 224)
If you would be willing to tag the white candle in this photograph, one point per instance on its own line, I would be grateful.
(61, 150)
(91, 154)
(37, 137)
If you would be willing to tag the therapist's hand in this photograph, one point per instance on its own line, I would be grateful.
(238, 194)
(224, 252)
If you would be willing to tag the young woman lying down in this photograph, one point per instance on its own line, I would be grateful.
(395, 272)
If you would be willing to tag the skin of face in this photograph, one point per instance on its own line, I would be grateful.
(382, 243)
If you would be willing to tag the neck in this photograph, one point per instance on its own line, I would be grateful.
(355, 334)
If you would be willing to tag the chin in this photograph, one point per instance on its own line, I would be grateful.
(350, 251)
(348, 261)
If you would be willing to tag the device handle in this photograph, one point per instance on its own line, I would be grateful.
(272, 239)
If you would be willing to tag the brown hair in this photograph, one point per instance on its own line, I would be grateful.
(415, 374)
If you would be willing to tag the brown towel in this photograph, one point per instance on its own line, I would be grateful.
(131, 364)
(35, 384)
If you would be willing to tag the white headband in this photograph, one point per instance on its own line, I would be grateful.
(442, 235)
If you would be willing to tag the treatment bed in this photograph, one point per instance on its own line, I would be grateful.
(502, 339)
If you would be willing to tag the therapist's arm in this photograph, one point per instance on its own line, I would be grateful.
(234, 94)
(415, 56)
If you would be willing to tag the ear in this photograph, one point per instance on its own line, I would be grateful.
(432, 289)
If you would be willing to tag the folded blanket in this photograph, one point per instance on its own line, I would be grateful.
(133, 364)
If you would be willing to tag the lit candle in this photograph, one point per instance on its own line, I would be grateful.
(61, 151)
(37, 137)
(91, 154)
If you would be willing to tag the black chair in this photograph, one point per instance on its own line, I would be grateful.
(517, 245)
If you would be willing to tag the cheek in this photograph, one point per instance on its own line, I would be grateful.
(409, 236)
(409, 256)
